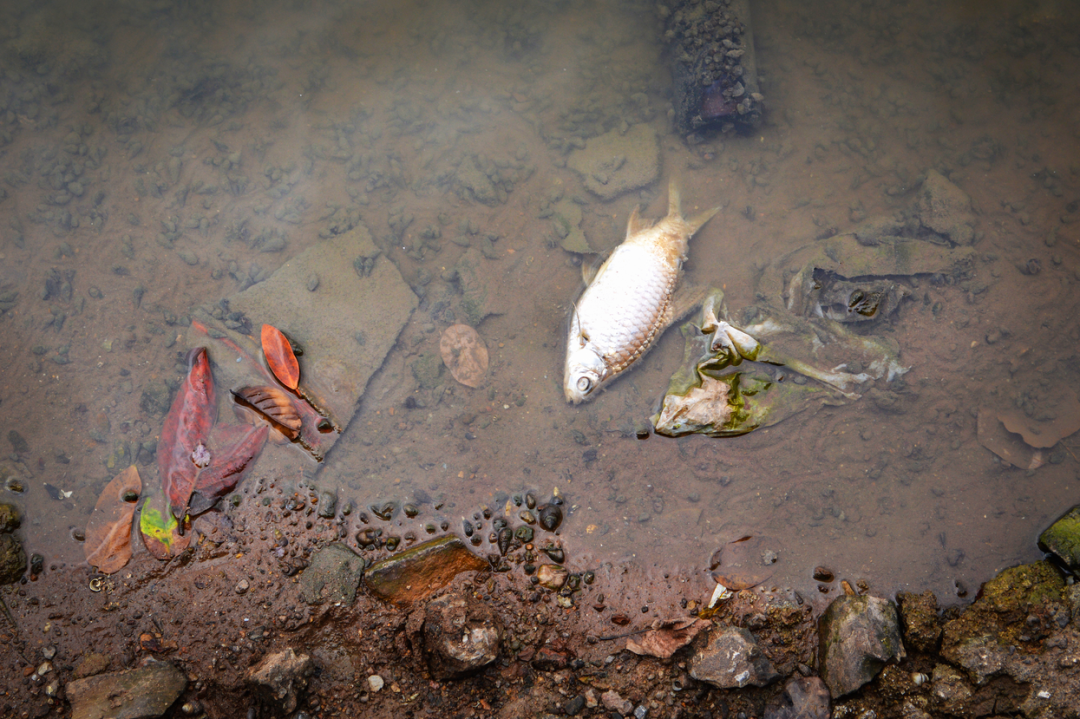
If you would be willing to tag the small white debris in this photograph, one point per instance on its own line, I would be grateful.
(375, 682)
(719, 594)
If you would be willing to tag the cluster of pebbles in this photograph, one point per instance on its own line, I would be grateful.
(711, 49)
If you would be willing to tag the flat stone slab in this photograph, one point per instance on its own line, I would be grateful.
(421, 570)
(618, 162)
(346, 324)
(140, 693)
(333, 575)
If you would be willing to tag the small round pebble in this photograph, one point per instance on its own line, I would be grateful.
(242, 586)
(375, 682)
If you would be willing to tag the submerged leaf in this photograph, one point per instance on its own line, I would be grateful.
(464, 354)
(187, 426)
(280, 356)
(273, 404)
(108, 533)
(232, 463)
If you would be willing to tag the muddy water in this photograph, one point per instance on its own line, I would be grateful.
(301, 119)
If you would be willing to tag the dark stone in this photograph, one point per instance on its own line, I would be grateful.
(945, 210)
(1062, 539)
(803, 698)
(12, 559)
(327, 505)
(460, 636)
(140, 693)
(280, 677)
(420, 571)
(732, 659)
(553, 655)
(333, 575)
(575, 705)
(857, 636)
(18, 442)
(90, 664)
(919, 616)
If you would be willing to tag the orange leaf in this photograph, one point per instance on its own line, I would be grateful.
(280, 356)
(108, 533)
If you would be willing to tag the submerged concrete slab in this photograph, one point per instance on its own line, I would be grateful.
(342, 301)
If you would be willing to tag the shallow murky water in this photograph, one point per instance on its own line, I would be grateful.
(159, 156)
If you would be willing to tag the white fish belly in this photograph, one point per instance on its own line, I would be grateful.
(622, 310)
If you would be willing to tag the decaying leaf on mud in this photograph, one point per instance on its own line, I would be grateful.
(464, 354)
(280, 356)
(275, 405)
(668, 638)
(162, 534)
(108, 533)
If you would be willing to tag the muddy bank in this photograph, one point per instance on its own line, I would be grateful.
(443, 630)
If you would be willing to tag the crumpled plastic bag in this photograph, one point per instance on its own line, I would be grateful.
(731, 383)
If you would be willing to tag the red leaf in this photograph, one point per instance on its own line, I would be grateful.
(280, 356)
(186, 433)
(108, 533)
(233, 463)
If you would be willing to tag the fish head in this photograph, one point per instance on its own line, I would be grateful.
(585, 371)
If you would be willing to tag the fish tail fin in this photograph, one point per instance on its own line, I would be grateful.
(675, 209)
(700, 219)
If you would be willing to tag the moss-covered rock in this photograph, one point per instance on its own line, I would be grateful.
(1062, 538)
(12, 559)
(1018, 608)
(10, 518)
(919, 616)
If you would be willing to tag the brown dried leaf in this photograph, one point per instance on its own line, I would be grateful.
(464, 354)
(275, 405)
(667, 639)
(108, 533)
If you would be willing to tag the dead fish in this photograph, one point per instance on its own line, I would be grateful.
(630, 301)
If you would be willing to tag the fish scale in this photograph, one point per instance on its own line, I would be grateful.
(630, 302)
(627, 304)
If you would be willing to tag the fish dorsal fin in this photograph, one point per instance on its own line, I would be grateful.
(674, 201)
(635, 224)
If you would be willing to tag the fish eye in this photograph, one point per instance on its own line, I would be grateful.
(584, 384)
